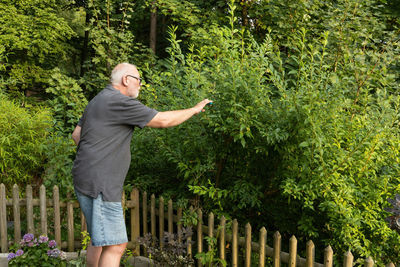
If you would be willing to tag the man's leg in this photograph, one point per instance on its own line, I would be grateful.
(111, 255)
(93, 256)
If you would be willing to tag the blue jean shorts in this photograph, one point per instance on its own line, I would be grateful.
(105, 220)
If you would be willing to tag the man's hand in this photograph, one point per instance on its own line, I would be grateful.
(200, 106)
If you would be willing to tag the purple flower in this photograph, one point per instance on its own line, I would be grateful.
(43, 239)
(31, 244)
(28, 238)
(19, 252)
(55, 253)
(52, 244)
(11, 256)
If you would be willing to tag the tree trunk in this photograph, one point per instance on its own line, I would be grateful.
(153, 26)
(85, 44)
(245, 20)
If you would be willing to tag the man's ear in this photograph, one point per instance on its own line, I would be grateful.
(124, 81)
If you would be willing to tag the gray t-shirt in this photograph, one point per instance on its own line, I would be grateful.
(103, 156)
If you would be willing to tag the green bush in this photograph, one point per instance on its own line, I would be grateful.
(24, 131)
(310, 132)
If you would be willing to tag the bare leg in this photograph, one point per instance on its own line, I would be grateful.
(93, 255)
(111, 255)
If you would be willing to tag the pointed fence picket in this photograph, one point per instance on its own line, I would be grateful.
(228, 240)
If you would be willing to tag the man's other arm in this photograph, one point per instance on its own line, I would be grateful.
(76, 134)
(175, 117)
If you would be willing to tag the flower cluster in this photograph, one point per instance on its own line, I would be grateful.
(35, 250)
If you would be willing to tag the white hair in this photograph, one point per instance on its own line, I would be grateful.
(119, 71)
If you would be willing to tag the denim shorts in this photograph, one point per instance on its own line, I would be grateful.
(105, 220)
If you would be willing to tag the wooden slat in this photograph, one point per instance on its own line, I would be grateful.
(70, 224)
(144, 215)
(248, 245)
(189, 238)
(29, 209)
(17, 215)
(153, 216)
(348, 259)
(235, 247)
(135, 221)
(263, 241)
(170, 217)
(310, 254)
(83, 222)
(161, 221)
(57, 218)
(292, 251)
(277, 250)
(210, 228)
(179, 223)
(222, 238)
(3, 219)
(369, 262)
(43, 211)
(328, 257)
(199, 234)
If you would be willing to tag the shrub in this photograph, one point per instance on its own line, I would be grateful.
(24, 131)
(37, 252)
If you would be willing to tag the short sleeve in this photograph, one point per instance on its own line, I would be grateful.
(132, 112)
(80, 122)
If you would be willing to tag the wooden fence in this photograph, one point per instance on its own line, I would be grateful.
(173, 218)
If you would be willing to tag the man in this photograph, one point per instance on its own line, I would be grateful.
(103, 137)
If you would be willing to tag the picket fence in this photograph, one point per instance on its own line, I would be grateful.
(173, 218)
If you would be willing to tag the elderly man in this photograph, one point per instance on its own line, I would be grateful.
(103, 137)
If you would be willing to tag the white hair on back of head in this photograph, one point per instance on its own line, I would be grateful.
(119, 71)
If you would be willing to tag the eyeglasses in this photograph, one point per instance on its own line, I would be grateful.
(139, 79)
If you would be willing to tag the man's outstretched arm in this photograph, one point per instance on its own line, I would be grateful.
(175, 117)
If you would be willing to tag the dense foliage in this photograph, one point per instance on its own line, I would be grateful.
(305, 114)
(24, 131)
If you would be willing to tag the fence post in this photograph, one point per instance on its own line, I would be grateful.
(17, 214)
(179, 224)
(348, 259)
(43, 211)
(144, 217)
(161, 221)
(153, 216)
(328, 257)
(369, 262)
(277, 250)
(310, 254)
(29, 209)
(210, 228)
(70, 223)
(57, 219)
(248, 245)
(135, 221)
(144, 210)
(199, 234)
(263, 241)
(235, 243)
(189, 238)
(222, 238)
(3, 219)
(170, 217)
(292, 251)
